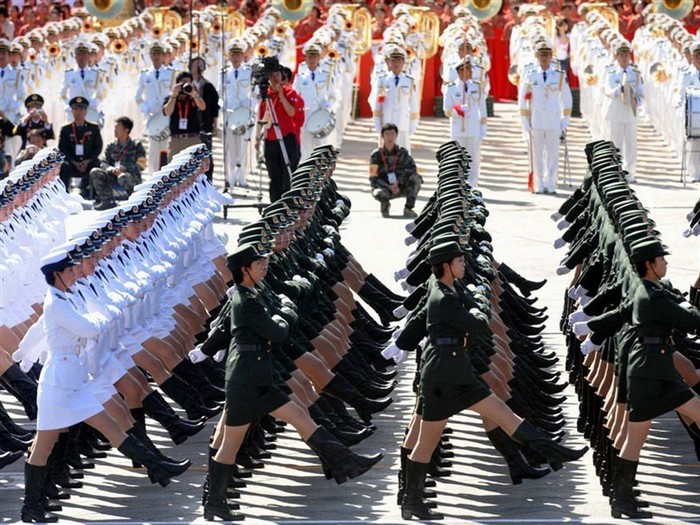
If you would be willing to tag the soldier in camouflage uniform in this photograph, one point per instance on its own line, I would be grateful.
(123, 161)
(392, 173)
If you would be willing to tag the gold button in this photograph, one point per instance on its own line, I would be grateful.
(259, 358)
(454, 354)
(663, 351)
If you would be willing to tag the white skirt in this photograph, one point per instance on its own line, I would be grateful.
(64, 397)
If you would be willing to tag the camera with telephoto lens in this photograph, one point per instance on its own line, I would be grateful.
(187, 88)
(261, 74)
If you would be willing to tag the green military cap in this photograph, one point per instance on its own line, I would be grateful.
(444, 252)
(79, 102)
(245, 254)
(647, 249)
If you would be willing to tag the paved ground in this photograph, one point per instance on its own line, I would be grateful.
(291, 488)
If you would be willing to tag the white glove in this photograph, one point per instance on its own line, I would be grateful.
(483, 131)
(563, 225)
(196, 355)
(559, 243)
(390, 351)
(579, 316)
(328, 253)
(686, 305)
(25, 365)
(397, 333)
(400, 312)
(564, 123)
(300, 279)
(409, 240)
(584, 300)
(482, 260)
(400, 357)
(479, 315)
(412, 225)
(286, 301)
(407, 287)
(580, 291)
(588, 346)
(401, 274)
(556, 216)
(329, 242)
(563, 270)
(581, 328)
(219, 356)
(337, 202)
(318, 257)
(230, 291)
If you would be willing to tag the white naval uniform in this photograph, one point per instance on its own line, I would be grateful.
(691, 79)
(64, 397)
(238, 94)
(467, 130)
(546, 113)
(88, 83)
(621, 120)
(317, 89)
(150, 96)
(12, 95)
(394, 99)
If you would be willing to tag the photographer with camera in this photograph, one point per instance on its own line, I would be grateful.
(35, 118)
(185, 107)
(282, 113)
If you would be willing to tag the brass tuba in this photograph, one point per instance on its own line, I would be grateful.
(428, 23)
(483, 9)
(359, 19)
(677, 9)
(262, 51)
(110, 12)
(165, 19)
(293, 10)
(53, 50)
(514, 75)
(659, 73)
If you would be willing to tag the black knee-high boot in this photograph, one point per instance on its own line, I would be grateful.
(32, 509)
(623, 502)
(340, 462)
(413, 503)
(518, 467)
(217, 505)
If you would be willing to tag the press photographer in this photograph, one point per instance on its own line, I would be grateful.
(185, 108)
(281, 112)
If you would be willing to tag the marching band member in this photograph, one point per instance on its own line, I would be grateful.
(154, 85)
(238, 95)
(394, 98)
(691, 79)
(465, 104)
(83, 81)
(625, 89)
(317, 87)
(544, 98)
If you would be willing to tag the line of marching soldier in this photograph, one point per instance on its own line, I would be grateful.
(476, 333)
(33, 208)
(630, 355)
(299, 345)
(128, 295)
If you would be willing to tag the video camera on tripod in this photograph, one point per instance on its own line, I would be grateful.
(261, 74)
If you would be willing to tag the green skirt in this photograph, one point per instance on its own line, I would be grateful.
(248, 403)
(650, 398)
(438, 400)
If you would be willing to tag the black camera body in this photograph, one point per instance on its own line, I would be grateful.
(261, 74)
(187, 88)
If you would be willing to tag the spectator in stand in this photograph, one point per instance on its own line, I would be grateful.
(15, 17)
(28, 22)
(569, 11)
(35, 119)
(7, 28)
(379, 22)
(306, 27)
(561, 44)
(250, 11)
(42, 14)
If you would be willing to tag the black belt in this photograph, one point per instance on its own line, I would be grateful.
(655, 340)
(450, 341)
(250, 347)
(185, 135)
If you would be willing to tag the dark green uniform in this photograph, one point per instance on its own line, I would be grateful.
(79, 143)
(251, 391)
(654, 385)
(448, 382)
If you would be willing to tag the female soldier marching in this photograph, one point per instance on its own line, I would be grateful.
(251, 389)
